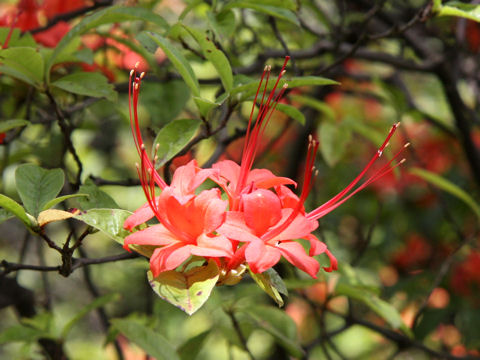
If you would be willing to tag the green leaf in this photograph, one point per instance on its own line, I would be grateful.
(250, 88)
(12, 124)
(318, 105)
(20, 333)
(23, 63)
(164, 101)
(108, 221)
(278, 12)
(5, 215)
(37, 186)
(447, 186)
(87, 83)
(222, 23)
(191, 348)
(205, 105)
(270, 282)
(109, 15)
(59, 199)
(457, 8)
(215, 56)
(17, 38)
(334, 139)
(173, 137)
(292, 112)
(382, 308)
(96, 198)
(189, 290)
(146, 338)
(278, 324)
(98, 302)
(178, 60)
(15, 209)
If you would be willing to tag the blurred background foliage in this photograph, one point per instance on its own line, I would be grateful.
(408, 245)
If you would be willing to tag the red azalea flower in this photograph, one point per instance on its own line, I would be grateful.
(52, 36)
(2, 137)
(53, 8)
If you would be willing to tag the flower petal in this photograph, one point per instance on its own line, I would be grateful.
(261, 257)
(316, 246)
(168, 258)
(228, 170)
(156, 235)
(235, 228)
(265, 179)
(299, 228)
(295, 254)
(216, 246)
(141, 215)
(262, 210)
(333, 262)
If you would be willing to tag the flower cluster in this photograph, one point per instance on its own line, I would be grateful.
(261, 219)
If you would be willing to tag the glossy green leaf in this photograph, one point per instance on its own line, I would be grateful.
(215, 56)
(249, 88)
(205, 106)
(278, 324)
(292, 112)
(60, 199)
(146, 338)
(98, 302)
(447, 186)
(270, 282)
(278, 12)
(12, 124)
(96, 198)
(173, 137)
(23, 63)
(109, 15)
(334, 139)
(189, 290)
(87, 83)
(17, 38)
(459, 9)
(108, 221)
(192, 347)
(37, 186)
(382, 308)
(14, 208)
(223, 23)
(175, 56)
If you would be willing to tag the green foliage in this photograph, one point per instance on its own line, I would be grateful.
(270, 282)
(173, 137)
(23, 63)
(457, 8)
(37, 186)
(89, 84)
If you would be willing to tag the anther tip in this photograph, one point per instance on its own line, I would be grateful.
(283, 72)
(285, 85)
(142, 75)
(137, 64)
(402, 161)
(265, 68)
(142, 146)
(406, 145)
(131, 72)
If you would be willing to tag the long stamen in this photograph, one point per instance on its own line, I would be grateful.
(329, 206)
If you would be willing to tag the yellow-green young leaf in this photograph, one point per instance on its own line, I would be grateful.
(278, 324)
(173, 137)
(292, 112)
(189, 290)
(382, 308)
(447, 186)
(146, 338)
(108, 221)
(88, 84)
(52, 215)
(459, 9)
(275, 11)
(23, 63)
(150, 39)
(14, 208)
(37, 186)
(270, 282)
(109, 15)
(215, 56)
(12, 124)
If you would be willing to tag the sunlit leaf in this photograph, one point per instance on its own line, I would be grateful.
(188, 291)
(215, 56)
(87, 83)
(173, 137)
(37, 186)
(52, 215)
(459, 9)
(96, 198)
(7, 125)
(270, 282)
(179, 61)
(147, 339)
(23, 63)
(447, 186)
(14, 208)
(108, 221)
(60, 199)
